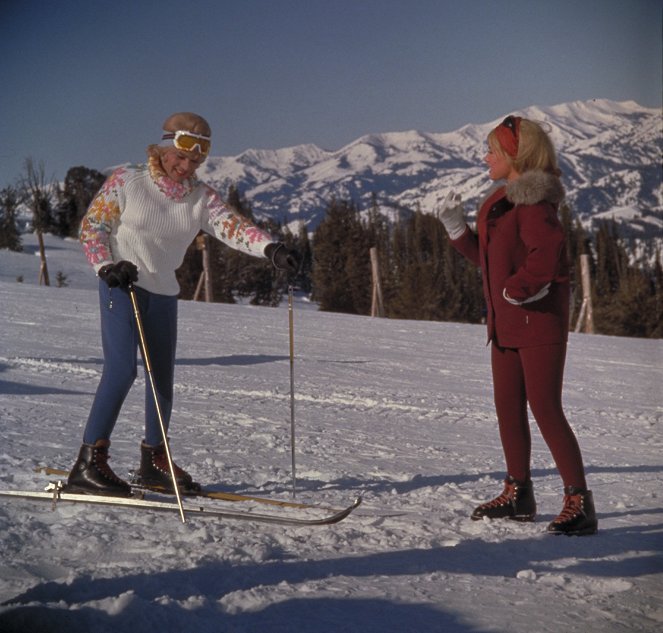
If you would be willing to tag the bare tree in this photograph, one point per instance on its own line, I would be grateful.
(38, 198)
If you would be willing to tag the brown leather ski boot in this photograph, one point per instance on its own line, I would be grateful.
(578, 517)
(516, 503)
(154, 472)
(91, 473)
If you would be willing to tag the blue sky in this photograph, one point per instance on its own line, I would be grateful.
(89, 82)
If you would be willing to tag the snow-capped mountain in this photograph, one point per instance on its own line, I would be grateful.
(610, 154)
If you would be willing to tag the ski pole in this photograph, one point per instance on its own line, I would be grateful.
(292, 390)
(148, 369)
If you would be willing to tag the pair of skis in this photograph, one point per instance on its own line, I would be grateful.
(57, 493)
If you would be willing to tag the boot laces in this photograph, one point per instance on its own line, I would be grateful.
(506, 498)
(101, 462)
(573, 507)
(160, 462)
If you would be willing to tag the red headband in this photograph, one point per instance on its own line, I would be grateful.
(508, 135)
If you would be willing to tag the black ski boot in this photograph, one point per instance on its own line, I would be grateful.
(578, 517)
(91, 473)
(154, 472)
(516, 502)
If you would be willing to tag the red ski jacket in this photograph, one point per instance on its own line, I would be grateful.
(520, 247)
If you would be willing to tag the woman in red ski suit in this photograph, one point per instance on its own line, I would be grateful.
(519, 244)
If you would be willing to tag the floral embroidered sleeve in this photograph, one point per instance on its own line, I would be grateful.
(235, 230)
(102, 214)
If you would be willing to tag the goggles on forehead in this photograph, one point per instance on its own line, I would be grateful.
(188, 141)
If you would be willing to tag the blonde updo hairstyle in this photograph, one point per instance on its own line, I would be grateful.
(535, 149)
(179, 121)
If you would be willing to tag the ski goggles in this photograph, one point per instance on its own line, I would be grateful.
(188, 141)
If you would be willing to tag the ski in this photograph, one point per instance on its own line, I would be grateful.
(56, 494)
(207, 494)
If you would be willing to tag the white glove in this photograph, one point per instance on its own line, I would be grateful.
(539, 295)
(452, 215)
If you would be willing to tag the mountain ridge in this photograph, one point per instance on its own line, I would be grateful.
(610, 156)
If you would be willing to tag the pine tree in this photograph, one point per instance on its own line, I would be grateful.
(302, 244)
(429, 279)
(259, 279)
(627, 294)
(80, 187)
(463, 298)
(341, 266)
(421, 286)
(10, 236)
(656, 304)
(611, 258)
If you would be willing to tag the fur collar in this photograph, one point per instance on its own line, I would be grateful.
(535, 186)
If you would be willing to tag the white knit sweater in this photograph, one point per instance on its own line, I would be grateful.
(150, 220)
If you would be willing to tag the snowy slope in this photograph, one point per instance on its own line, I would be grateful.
(610, 155)
(398, 411)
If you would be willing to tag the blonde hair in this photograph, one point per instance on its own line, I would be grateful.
(154, 153)
(535, 149)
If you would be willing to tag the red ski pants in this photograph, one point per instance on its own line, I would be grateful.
(534, 375)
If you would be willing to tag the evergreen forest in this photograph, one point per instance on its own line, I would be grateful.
(419, 274)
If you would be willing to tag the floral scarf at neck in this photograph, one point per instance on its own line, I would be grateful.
(170, 188)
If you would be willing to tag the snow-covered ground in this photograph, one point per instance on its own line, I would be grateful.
(397, 411)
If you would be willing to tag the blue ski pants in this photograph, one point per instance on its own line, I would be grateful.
(120, 341)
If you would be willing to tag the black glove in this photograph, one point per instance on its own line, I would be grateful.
(283, 258)
(121, 274)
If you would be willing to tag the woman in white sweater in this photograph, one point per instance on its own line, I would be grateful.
(136, 232)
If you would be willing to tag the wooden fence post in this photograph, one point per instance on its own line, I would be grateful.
(205, 277)
(43, 268)
(377, 305)
(586, 316)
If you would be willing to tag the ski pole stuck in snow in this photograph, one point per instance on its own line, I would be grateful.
(292, 390)
(148, 369)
